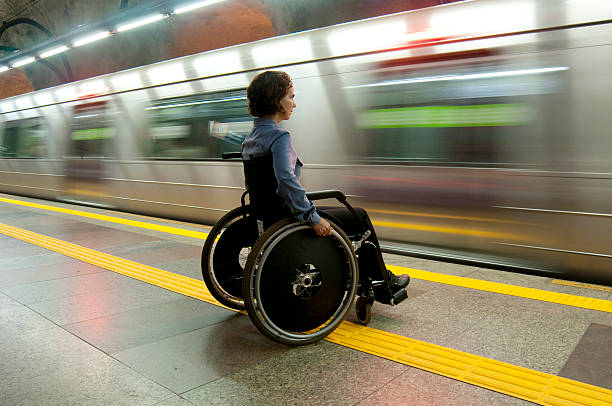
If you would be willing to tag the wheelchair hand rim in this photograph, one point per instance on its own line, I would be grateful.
(346, 300)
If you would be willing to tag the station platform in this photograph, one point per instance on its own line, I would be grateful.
(101, 307)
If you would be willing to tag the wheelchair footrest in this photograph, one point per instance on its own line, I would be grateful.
(399, 297)
(383, 295)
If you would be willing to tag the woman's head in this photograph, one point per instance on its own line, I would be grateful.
(271, 94)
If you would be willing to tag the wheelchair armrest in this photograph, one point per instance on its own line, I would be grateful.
(338, 195)
(327, 194)
(231, 155)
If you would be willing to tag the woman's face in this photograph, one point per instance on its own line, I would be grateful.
(287, 104)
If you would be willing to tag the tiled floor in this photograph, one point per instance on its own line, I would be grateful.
(72, 333)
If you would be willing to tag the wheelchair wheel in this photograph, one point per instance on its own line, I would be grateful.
(224, 255)
(363, 308)
(298, 286)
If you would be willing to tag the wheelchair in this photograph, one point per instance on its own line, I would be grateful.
(295, 286)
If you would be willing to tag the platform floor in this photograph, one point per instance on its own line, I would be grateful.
(75, 333)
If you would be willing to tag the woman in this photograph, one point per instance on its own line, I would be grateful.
(271, 100)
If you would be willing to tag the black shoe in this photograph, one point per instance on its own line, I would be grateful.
(397, 282)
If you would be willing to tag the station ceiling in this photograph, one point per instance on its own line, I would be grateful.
(31, 22)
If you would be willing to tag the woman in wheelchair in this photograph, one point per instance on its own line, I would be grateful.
(271, 100)
(296, 285)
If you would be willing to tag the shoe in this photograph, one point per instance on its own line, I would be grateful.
(397, 282)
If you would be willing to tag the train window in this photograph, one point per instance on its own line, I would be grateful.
(202, 126)
(462, 112)
(92, 131)
(24, 139)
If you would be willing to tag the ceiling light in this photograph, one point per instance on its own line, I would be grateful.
(91, 38)
(139, 23)
(54, 51)
(195, 5)
(24, 62)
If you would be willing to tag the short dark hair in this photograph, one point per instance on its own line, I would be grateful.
(265, 92)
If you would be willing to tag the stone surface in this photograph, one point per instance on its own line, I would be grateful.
(76, 334)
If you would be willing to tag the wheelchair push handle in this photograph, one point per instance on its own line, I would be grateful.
(327, 194)
(338, 195)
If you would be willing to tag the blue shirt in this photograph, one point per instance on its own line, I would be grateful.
(267, 136)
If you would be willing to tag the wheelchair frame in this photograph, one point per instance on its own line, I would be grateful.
(317, 286)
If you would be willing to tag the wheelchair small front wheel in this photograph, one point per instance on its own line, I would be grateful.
(224, 255)
(363, 308)
(298, 287)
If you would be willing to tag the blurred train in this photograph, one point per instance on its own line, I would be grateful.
(478, 130)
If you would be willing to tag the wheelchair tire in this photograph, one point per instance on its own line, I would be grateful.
(298, 287)
(363, 308)
(224, 255)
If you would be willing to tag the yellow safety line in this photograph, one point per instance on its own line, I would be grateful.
(582, 285)
(524, 383)
(133, 223)
(441, 216)
(569, 300)
(201, 235)
(511, 290)
(449, 230)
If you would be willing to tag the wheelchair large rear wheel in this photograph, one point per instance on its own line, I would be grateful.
(298, 286)
(224, 255)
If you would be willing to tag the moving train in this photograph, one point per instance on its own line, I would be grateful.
(476, 131)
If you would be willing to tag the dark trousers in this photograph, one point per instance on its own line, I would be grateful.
(370, 258)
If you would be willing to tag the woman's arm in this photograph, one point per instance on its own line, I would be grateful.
(289, 187)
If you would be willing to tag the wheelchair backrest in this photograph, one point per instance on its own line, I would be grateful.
(261, 184)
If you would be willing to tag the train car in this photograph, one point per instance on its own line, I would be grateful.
(477, 130)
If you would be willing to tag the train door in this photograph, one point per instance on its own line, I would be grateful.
(90, 148)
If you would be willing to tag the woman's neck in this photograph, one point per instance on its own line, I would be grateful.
(276, 117)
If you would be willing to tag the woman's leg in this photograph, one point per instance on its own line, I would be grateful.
(370, 260)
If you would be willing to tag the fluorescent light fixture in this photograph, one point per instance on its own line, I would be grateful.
(286, 51)
(139, 23)
(91, 38)
(54, 51)
(24, 62)
(126, 81)
(92, 88)
(197, 4)
(485, 18)
(7, 107)
(368, 38)
(66, 93)
(87, 116)
(4, 68)
(23, 102)
(195, 103)
(444, 78)
(167, 73)
(43, 99)
(215, 64)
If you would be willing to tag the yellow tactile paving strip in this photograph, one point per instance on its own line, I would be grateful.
(524, 383)
(111, 219)
(531, 385)
(512, 290)
(176, 283)
(582, 285)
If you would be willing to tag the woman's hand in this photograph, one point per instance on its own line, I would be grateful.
(322, 228)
